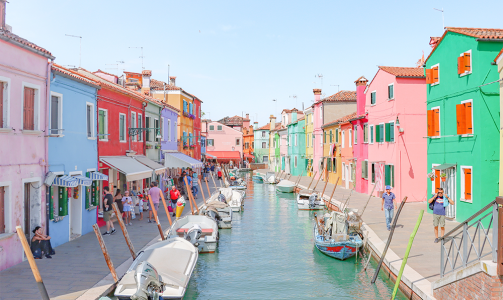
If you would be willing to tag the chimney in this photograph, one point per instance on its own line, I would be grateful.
(145, 87)
(294, 115)
(255, 125)
(361, 84)
(247, 116)
(172, 80)
(317, 95)
(272, 122)
(246, 123)
(3, 4)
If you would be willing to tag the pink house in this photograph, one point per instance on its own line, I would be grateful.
(396, 108)
(361, 138)
(223, 142)
(24, 89)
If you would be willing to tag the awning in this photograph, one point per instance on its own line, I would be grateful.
(128, 166)
(97, 176)
(444, 166)
(158, 168)
(83, 180)
(66, 181)
(180, 160)
(246, 155)
(209, 155)
(224, 155)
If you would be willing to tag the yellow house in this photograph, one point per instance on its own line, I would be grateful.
(309, 139)
(331, 151)
(499, 62)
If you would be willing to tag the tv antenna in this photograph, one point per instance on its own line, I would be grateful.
(320, 76)
(336, 86)
(140, 56)
(80, 51)
(116, 66)
(443, 23)
(294, 97)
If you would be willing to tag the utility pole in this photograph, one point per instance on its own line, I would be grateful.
(140, 56)
(80, 51)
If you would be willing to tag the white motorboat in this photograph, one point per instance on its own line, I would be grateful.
(205, 240)
(309, 200)
(161, 270)
(285, 186)
(234, 198)
(218, 209)
(270, 177)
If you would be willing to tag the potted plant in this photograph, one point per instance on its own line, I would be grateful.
(431, 176)
(443, 176)
(157, 146)
(149, 146)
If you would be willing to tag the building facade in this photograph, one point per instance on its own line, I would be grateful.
(348, 170)
(248, 143)
(332, 152)
(309, 139)
(499, 62)
(297, 146)
(361, 136)
(224, 142)
(261, 143)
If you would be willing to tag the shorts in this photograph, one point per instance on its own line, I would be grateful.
(438, 220)
(140, 206)
(156, 206)
(127, 208)
(107, 215)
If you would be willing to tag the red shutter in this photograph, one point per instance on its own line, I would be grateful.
(467, 62)
(429, 117)
(461, 65)
(2, 125)
(460, 119)
(29, 109)
(468, 118)
(468, 184)
(429, 76)
(436, 122)
(435, 74)
(437, 180)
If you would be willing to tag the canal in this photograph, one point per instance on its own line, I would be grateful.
(269, 254)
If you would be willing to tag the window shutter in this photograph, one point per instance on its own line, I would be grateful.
(147, 132)
(363, 169)
(387, 132)
(29, 109)
(2, 125)
(325, 137)
(387, 175)
(467, 65)
(373, 173)
(461, 65)
(468, 118)
(391, 132)
(2, 208)
(468, 184)
(381, 134)
(378, 131)
(437, 180)
(54, 115)
(435, 75)
(460, 119)
(429, 76)
(393, 175)
(436, 122)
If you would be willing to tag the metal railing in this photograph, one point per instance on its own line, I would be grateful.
(471, 241)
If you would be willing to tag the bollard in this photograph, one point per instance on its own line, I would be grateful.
(105, 252)
(124, 230)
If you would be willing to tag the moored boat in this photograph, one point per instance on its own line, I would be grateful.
(285, 186)
(258, 178)
(161, 270)
(217, 208)
(205, 240)
(270, 177)
(309, 200)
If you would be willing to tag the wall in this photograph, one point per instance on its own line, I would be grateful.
(225, 139)
(318, 136)
(346, 154)
(336, 110)
(309, 136)
(197, 127)
(334, 175)
(477, 286)
(360, 150)
(169, 143)
(500, 70)
(23, 155)
(258, 140)
(152, 110)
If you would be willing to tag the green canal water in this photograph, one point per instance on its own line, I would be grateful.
(269, 254)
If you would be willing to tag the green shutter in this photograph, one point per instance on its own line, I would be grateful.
(94, 193)
(387, 132)
(378, 133)
(372, 134)
(393, 176)
(330, 136)
(337, 135)
(147, 125)
(324, 137)
(381, 133)
(392, 132)
(387, 175)
(51, 203)
(63, 201)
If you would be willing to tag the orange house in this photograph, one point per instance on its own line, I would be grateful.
(248, 144)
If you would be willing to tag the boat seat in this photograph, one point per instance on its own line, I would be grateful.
(205, 231)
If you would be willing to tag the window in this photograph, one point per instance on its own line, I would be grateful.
(343, 171)
(2, 209)
(191, 142)
(330, 134)
(211, 142)
(349, 137)
(337, 135)
(373, 98)
(390, 131)
(184, 106)
(191, 106)
(373, 173)
(366, 133)
(464, 117)
(352, 172)
(391, 91)
(263, 145)
(219, 127)
(263, 133)
(157, 132)
(342, 138)
(380, 133)
(162, 129)
(371, 133)
(4, 102)
(465, 63)
(365, 169)
(389, 175)
(90, 120)
(122, 127)
(295, 162)
(356, 135)
(103, 124)
(296, 144)
(334, 164)
(140, 122)
(212, 127)
(325, 137)
(433, 121)
(148, 120)
(56, 123)
(30, 109)
(237, 142)
(133, 124)
(433, 75)
(466, 184)
(265, 159)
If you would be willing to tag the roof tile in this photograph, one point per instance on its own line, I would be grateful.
(404, 71)
(9, 36)
(342, 96)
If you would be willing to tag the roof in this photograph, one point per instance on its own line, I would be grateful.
(342, 96)
(362, 78)
(236, 120)
(358, 117)
(19, 41)
(158, 85)
(480, 33)
(406, 72)
(278, 127)
(303, 117)
(101, 71)
(289, 110)
(498, 56)
(265, 127)
(75, 75)
(340, 120)
(146, 72)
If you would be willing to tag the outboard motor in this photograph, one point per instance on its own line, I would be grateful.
(148, 285)
(221, 198)
(193, 234)
(213, 215)
(312, 200)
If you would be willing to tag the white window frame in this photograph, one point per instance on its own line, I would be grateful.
(461, 198)
(133, 125)
(343, 137)
(355, 133)
(383, 135)
(371, 132)
(212, 142)
(60, 115)
(36, 106)
(373, 92)
(367, 171)
(6, 104)
(351, 172)
(140, 134)
(437, 83)
(155, 130)
(439, 123)
(162, 129)
(125, 127)
(221, 128)
(471, 66)
(264, 145)
(344, 171)
(433, 182)
(263, 134)
(266, 158)
(366, 129)
(391, 84)
(169, 130)
(349, 138)
(473, 126)
(93, 126)
(150, 126)
(105, 127)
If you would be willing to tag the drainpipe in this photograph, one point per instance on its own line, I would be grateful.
(46, 142)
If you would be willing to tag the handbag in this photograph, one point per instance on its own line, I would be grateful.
(432, 204)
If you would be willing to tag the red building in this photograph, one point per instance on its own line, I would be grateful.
(197, 127)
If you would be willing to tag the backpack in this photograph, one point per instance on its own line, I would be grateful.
(432, 204)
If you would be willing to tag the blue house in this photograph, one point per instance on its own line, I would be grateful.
(73, 155)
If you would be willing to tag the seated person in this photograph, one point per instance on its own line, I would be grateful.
(41, 243)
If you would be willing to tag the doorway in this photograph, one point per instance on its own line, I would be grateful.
(449, 186)
(27, 211)
(31, 207)
(75, 212)
(347, 171)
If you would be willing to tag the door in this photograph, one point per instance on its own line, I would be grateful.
(347, 171)
(75, 211)
(449, 186)
(27, 215)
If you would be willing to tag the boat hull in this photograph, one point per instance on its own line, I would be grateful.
(285, 189)
(208, 241)
(304, 205)
(337, 249)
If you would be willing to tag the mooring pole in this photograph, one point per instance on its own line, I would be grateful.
(191, 196)
(314, 175)
(166, 208)
(370, 197)
(213, 178)
(298, 179)
(33, 265)
(202, 192)
(333, 191)
(389, 241)
(187, 187)
(208, 187)
(105, 252)
(156, 218)
(319, 178)
(124, 230)
(406, 256)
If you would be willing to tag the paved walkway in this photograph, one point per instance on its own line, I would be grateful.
(79, 265)
(424, 256)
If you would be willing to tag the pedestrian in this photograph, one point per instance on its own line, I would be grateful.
(107, 210)
(438, 204)
(195, 185)
(219, 174)
(388, 199)
(174, 194)
(41, 243)
(127, 203)
(155, 195)
(212, 168)
(118, 200)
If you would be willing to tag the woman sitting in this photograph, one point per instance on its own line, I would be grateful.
(41, 243)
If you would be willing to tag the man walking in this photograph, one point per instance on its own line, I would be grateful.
(107, 210)
(387, 204)
(155, 194)
(439, 205)
(174, 194)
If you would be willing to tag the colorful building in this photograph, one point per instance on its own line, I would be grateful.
(248, 143)
(348, 170)
(272, 143)
(224, 142)
(24, 88)
(297, 145)
(395, 102)
(261, 143)
(463, 107)
(197, 127)
(309, 139)
(499, 62)
(282, 145)
(332, 152)
(361, 136)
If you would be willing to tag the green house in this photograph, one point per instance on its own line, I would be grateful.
(277, 155)
(463, 118)
(297, 146)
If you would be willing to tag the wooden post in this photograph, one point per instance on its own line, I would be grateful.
(370, 196)
(208, 187)
(389, 241)
(188, 195)
(499, 201)
(156, 218)
(31, 261)
(333, 191)
(324, 187)
(193, 200)
(166, 208)
(318, 181)
(124, 230)
(314, 175)
(202, 192)
(213, 178)
(105, 252)
(298, 179)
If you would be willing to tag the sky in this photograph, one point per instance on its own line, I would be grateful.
(238, 56)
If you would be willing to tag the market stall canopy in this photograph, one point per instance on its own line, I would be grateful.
(83, 180)
(66, 181)
(226, 155)
(158, 168)
(98, 176)
(209, 155)
(444, 166)
(129, 166)
(249, 156)
(180, 160)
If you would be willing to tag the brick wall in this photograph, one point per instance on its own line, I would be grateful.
(476, 286)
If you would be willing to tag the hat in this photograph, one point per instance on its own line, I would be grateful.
(388, 187)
